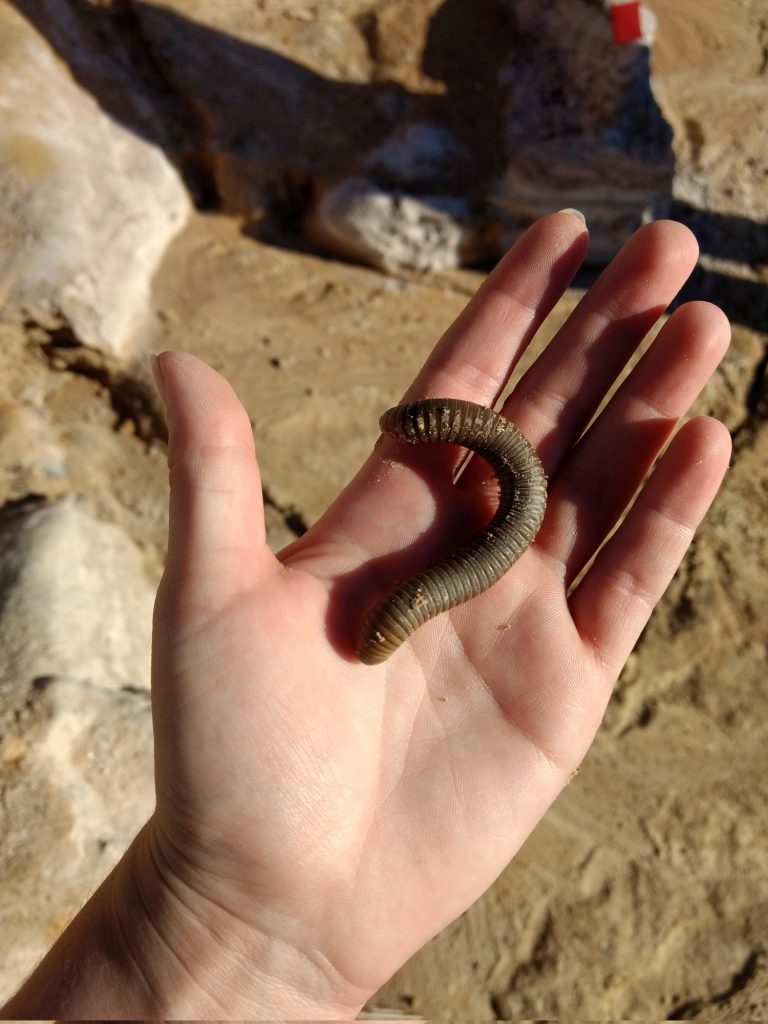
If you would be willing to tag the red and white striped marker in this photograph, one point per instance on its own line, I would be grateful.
(625, 16)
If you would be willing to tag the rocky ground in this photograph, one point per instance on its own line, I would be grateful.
(644, 892)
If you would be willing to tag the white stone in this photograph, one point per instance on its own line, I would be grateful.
(77, 784)
(389, 229)
(75, 601)
(76, 780)
(87, 208)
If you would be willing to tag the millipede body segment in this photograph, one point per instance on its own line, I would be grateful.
(491, 551)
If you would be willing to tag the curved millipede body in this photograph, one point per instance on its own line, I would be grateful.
(492, 551)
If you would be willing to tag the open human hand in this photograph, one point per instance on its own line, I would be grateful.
(317, 819)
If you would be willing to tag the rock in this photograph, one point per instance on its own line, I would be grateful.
(391, 230)
(74, 599)
(87, 208)
(27, 449)
(583, 128)
(76, 779)
(396, 169)
(76, 785)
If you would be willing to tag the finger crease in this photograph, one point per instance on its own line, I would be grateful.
(511, 299)
(653, 406)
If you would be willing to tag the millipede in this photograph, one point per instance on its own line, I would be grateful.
(492, 551)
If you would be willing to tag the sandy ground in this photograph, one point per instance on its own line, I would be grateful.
(644, 892)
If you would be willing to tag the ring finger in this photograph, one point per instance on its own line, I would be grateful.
(600, 476)
(558, 396)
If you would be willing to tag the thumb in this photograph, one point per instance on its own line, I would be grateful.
(216, 532)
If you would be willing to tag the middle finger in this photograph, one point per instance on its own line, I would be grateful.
(558, 396)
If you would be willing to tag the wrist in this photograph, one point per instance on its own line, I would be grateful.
(146, 946)
(196, 959)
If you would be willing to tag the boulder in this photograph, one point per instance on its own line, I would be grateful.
(76, 786)
(390, 229)
(76, 778)
(87, 207)
(75, 601)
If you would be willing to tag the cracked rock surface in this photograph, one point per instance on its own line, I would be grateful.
(643, 894)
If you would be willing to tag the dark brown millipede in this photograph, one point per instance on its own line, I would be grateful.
(490, 552)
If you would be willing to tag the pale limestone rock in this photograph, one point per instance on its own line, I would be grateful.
(87, 208)
(75, 601)
(389, 229)
(76, 780)
(27, 448)
(76, 784)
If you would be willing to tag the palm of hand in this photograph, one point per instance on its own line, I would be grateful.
(370, 806)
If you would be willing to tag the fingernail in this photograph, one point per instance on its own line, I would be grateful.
(575, 213)
(157, 373)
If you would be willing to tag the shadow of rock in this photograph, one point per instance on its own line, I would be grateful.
(247, 127)
(733, 268)
(726, 236)
(733, 271)
(515, 122)
(743, 300)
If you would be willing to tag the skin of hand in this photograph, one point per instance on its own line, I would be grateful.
(319, 820)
